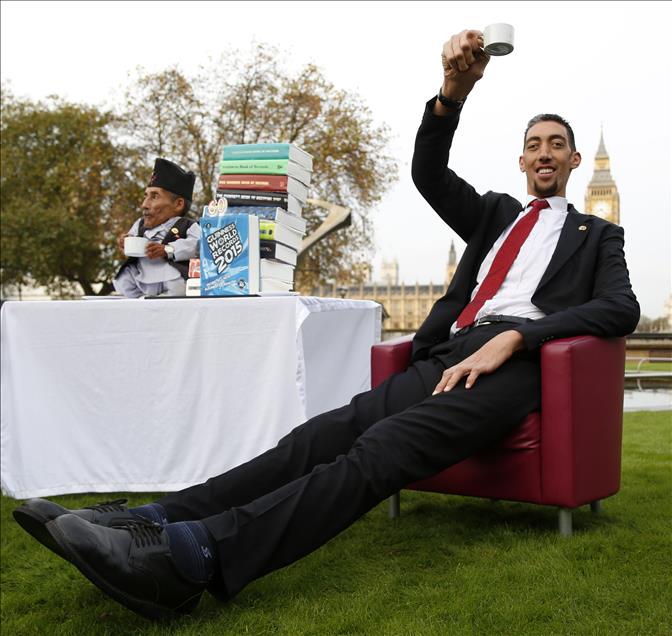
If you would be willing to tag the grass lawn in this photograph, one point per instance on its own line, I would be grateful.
(448, 565)
(631, 365)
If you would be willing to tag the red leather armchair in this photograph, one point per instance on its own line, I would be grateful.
(566, 455)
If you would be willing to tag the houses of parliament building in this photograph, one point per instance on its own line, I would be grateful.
(406, 306)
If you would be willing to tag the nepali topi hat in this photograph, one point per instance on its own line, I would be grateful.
(171, 177)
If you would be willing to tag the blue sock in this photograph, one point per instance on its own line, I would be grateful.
(193, 549)
(154, 512)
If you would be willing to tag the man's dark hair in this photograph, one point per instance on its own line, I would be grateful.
(551, 117)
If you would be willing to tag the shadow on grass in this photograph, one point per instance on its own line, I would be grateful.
(478, 518)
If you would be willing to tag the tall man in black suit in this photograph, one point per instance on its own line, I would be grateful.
(474, 377)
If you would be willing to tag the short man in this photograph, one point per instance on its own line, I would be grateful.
(473, 379)
(173, 239)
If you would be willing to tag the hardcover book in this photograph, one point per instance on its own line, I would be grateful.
(270, 182)
(272, 231)
(265, 166)
(229, 255)
(271, 214)
(276, 269)
(277, 251)
(269, 151)
(270, 284)
(261, 198)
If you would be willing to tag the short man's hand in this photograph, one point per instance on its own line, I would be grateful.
(487, 359)
(120, 241)
(155, 250)
(464, 62)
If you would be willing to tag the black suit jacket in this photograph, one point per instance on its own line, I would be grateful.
(584, 291)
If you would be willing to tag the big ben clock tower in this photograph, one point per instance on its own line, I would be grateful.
(601, 194)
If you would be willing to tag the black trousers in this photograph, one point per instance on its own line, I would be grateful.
(329, 471)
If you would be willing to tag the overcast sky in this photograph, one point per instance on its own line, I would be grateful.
(596, 63)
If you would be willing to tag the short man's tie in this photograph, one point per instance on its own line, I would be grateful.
(502, 264)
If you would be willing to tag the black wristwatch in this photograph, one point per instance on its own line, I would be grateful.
(450, 103)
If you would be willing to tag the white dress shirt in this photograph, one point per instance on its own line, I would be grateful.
(514, 297)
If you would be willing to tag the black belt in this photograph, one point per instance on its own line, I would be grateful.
(488, 320)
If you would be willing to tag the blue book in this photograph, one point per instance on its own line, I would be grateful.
(229, 255)
(268, 151)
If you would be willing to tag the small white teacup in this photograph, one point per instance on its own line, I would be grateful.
(135, 245)
(498, 39)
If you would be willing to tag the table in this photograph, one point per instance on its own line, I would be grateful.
(143, 395)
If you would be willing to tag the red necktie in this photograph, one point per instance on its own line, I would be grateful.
(502, 264)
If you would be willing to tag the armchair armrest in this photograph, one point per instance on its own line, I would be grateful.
(390, 356)
(581, 418)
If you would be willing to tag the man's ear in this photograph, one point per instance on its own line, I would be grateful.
(575, 161)
(521, 163)
(180, 204)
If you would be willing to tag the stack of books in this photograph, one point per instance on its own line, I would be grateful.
(261, 191)
(271, 182)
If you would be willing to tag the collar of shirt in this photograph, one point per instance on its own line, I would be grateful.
(159, 232)
(558, 204)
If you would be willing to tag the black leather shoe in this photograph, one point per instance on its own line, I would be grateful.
(131, 563)
(34, 514)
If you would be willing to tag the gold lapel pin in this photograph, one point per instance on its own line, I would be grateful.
(582, 228)
(176, 231)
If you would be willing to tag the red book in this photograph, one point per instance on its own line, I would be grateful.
(266, 182)
(194, 268)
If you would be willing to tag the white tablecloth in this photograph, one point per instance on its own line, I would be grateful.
(157, 395)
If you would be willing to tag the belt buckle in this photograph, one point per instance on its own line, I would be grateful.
(492, 319)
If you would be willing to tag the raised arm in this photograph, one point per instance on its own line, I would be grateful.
(453, 199)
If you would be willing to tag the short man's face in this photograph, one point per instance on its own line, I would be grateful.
(159, 205)
(548, 159)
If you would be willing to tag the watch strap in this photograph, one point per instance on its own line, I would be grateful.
(450, 103)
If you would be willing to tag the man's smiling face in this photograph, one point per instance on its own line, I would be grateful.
(548, 159)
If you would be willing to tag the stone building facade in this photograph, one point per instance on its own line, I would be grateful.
(404, 306)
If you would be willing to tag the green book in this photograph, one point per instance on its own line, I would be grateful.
(273, 231)
(269, 151)
(265, 166)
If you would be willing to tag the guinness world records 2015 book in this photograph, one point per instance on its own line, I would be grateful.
(229, 255)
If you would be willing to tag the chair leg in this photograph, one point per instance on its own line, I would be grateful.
(565, 522)
(596, 506)
(394, 505)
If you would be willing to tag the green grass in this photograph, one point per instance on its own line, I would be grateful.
(649, 366)
(449, 565)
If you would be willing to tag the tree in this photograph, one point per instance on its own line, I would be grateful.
(67, 192)
(255, 100)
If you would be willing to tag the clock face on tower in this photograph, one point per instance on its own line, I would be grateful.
(602, 209)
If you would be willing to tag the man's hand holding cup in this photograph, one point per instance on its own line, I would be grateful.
(464, 62)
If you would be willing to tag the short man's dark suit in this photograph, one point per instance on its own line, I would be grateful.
(335, 467)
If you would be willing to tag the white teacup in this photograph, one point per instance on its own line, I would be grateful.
(135, 245)
(498, 39)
